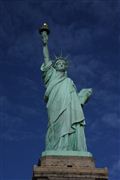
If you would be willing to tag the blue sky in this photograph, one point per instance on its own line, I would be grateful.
(87, 31)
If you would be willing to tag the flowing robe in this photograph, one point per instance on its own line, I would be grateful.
(65, 115)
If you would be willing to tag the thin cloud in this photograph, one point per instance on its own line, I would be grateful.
(8, 121)
(115, 170)
(7, 106)
(112, 120)
(13, 135)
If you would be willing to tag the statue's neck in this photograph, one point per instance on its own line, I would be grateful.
(62, 73)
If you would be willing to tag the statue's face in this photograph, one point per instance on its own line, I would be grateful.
(60, 65)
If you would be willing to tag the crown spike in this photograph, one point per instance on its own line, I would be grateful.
(61, 53)
(67, 57)
(55, 56)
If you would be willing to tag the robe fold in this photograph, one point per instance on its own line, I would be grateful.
(65, 115)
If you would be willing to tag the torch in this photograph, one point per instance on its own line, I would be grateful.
(44, 28)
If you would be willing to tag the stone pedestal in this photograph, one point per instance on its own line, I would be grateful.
(68, 168)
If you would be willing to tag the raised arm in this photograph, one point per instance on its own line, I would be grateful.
(44, 31)
(45, 47)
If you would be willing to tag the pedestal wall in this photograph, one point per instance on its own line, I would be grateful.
(68, 168)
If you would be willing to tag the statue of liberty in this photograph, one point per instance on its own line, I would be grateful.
(66, 121)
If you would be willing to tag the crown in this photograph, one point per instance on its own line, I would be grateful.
(58, 58)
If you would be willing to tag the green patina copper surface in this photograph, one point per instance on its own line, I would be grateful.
(66, 121)
(66, 153)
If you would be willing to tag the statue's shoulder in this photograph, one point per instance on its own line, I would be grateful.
(70, 80)
(46, 67)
